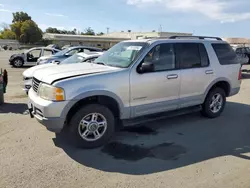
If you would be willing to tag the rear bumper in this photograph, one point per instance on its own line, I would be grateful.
(48, 113)
(234, 91)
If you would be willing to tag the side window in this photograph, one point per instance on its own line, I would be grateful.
(47, 52)
(162, 56)
(92, 50)
(35, 53)
(225, 54)
(189, 55)
(204, 55)
(238, 51)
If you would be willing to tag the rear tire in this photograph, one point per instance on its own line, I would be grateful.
(92, 126)
(214, 103)
(18, 62)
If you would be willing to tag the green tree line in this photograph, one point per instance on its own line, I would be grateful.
(25, 30)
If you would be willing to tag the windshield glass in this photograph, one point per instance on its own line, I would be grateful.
(62, 52)
(122, 54)
(73, 59)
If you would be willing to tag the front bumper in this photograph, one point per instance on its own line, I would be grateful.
(10, 61)
(48, 113)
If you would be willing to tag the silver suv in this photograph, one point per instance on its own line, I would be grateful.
(132, 81)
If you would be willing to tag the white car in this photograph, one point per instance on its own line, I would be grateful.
(30, 57)
(77, 58)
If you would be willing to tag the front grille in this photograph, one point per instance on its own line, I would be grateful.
(35, 84)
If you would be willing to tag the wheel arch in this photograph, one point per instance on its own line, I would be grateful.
(223, 83)
(106, 98)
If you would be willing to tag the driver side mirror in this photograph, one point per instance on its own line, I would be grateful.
(67, 54)
(146, 67)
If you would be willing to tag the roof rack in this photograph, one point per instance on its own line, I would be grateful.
(199, 37)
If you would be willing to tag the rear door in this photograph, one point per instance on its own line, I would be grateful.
(196, 73)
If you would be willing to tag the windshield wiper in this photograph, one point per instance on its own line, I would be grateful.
(100, 63)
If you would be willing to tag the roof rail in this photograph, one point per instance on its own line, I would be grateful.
(199, 37)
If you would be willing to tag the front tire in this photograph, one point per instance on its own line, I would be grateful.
(92, 126)
(18, 62)
(214, 103)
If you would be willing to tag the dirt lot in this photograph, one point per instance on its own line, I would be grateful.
(186, 151)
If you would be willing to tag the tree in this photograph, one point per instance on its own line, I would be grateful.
(99, 34)
(20, 17)
(52, 30)
(16, 28)
(7, 34)
(89, 31)
(129, 31)
(31, 33)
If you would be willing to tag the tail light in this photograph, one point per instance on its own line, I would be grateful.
(240, 75)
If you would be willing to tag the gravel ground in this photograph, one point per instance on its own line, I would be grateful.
(186, 151)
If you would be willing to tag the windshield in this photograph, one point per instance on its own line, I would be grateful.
(62, 52)
(122, 54)
(73, 59)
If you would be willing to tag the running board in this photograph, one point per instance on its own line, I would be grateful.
(160, 116)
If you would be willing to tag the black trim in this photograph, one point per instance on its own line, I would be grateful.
(75, 76)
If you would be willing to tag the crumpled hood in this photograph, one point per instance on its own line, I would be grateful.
(52, 73)
(29, 72)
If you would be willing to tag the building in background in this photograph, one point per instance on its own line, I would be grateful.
(107, 40)
(238, 41)
(141, 35)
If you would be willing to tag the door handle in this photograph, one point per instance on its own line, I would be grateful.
(209, 71)
(172, 76)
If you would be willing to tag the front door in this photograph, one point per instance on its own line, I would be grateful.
(156, 91)
(32, 56)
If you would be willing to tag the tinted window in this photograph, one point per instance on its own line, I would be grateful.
(162, 56)
(189, 55)
(225, 54)
(204, 56)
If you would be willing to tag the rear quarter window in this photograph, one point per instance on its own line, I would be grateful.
(225, 54)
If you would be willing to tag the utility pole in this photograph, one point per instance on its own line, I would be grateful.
(160, 30)
(107, 30)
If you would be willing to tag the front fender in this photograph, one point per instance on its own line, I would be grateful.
(123, 113)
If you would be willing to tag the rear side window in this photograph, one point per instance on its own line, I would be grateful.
(225, 54)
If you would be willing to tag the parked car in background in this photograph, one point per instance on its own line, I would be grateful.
(243, 54)
(66, 46)
(131, 83)
(30, 57)
(77, 58)
(56, 46)
(66, 53)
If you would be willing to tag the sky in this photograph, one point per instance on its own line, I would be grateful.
(224, 18)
